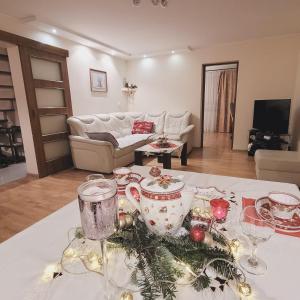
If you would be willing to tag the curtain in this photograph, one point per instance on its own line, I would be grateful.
(211, 100)
(226, 100)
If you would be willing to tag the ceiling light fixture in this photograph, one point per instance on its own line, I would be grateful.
(54, 30)
(163, 3)
(144, 55)
(173, 51)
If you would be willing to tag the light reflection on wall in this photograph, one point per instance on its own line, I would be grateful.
(148, 62)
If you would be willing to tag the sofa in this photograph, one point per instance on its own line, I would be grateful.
(276, 165)
(101, 156)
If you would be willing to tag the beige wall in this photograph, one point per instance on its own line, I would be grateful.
(173, 83)
(81, 59)
(296, 110)
(83, 100)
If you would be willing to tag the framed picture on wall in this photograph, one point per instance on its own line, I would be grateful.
(98, 81)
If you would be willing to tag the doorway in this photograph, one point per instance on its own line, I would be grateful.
(219, 86)
(42, 96)
(12, 158)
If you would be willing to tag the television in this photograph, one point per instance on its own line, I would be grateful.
(272, 115)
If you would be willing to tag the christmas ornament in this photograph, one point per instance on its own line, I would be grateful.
(208, 239)
(125, 220)
(244, 289)
(126, 296)
(122, 221)
(197, 234)
(128, 220)
(155, 171)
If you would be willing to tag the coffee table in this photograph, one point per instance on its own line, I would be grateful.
(164, 155)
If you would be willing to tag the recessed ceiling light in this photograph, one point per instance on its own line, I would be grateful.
(144, 55)
(54, 30)
(173, 51)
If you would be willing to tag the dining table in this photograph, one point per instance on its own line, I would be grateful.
(25, 256)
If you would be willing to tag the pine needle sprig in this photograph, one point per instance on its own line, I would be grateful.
(156, 272)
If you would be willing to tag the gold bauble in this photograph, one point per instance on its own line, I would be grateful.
(208, 239)
(122, 223)
(126, 296)
(128, 220)
(244, 289)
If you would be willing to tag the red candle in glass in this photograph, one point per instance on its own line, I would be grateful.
(219, 208)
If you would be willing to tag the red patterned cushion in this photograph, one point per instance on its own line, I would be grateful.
(142, 127)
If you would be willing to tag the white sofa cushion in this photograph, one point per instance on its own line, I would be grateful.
(158, 119)
(122, 123)
(81, 124)
(132, 139)
(176, 123)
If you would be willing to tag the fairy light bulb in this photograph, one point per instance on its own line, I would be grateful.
(122, 203)
(234, 245)
(70, 253)
(49, 272)
(244, 289)
(94, 260)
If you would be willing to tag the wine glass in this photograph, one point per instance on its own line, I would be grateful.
(98, 212)
(258, 227)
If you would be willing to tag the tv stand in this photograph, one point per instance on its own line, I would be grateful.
(267, 140)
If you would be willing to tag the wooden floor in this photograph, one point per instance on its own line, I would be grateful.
(24, 202)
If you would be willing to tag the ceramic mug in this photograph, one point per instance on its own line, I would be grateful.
(283, 205)
(121, 175)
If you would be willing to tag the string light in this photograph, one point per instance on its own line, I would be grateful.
(234, 245)
(93, 262)
(244, 289)
(122, 203)
(70, 253)
(49, 272)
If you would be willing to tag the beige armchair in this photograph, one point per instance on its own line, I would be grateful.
(275, 165)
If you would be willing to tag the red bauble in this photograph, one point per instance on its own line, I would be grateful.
(197, 234)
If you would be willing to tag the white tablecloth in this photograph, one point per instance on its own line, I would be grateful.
(24, 257)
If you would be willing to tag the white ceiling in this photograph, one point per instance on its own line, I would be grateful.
(148, 29)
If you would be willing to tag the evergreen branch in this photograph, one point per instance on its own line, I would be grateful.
(156, 273)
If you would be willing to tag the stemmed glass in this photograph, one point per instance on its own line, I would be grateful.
(258, 227)
(98, 212)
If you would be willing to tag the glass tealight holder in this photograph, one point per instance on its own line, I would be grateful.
(98, 208)
(219, 209)
(98, 212)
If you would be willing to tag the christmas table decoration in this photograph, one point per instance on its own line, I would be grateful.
(202, 216)
(161, 261)
(162, 257)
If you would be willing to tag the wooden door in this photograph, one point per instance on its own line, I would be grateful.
(49, 102)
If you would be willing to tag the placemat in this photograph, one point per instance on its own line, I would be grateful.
(250, 202)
